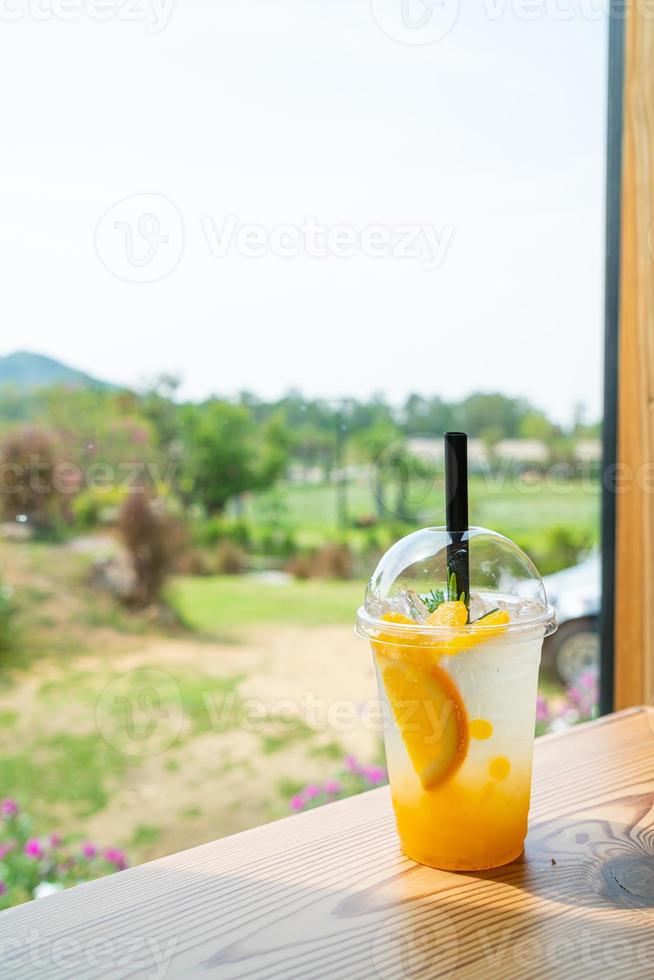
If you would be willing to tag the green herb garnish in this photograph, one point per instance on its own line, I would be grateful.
(434, 599)
(452, 591)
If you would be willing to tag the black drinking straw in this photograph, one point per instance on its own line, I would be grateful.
(456, 509)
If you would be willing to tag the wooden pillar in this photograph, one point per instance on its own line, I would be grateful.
(634, 583)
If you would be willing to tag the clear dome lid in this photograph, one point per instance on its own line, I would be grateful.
(416, 575)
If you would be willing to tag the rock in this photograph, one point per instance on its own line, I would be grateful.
(115, 575)
(16, 531)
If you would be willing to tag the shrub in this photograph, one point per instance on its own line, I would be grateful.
(32, 867)
(558, 547)
(566, 543)
(149, 538)
(34, 478)
(210, 531)
(366, 520)
(230, 559)
(300, 567)
(192, 561)
(92, 507)
(330, 561)
(275, 542)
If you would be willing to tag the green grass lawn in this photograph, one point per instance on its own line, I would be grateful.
(505, 504)
(218, 605)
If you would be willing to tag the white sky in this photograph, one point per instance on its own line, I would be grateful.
(272, 110)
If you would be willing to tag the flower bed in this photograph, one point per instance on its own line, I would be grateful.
(351, 779)
(32, 867)
(579, 702)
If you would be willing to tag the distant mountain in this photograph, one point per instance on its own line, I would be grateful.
(27, 371)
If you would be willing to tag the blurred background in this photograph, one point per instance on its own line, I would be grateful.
(257, 259)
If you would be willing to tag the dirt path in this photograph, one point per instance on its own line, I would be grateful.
(125, 736)
(204, 739)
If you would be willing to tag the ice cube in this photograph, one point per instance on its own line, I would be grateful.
(419, 610)
(407, 603)
(478, 607)
(400, 604)
(375, 606)
(527, 609)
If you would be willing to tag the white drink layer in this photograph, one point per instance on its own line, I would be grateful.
(498, 682)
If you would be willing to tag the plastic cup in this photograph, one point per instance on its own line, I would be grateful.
(458, 699)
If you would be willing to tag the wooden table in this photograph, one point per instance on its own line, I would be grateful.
(328, 893)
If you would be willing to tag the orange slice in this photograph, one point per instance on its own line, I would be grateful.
(420, 648)
(449, 614)
(400, 645)
(493, 624)
(430, 715)
(426, 704)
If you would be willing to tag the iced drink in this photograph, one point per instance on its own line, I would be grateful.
(457, 679)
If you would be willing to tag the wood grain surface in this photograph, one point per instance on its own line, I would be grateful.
(328, 893)
(634, 614)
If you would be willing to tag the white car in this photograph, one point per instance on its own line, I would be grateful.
(576, 594)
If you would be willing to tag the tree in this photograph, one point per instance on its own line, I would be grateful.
(490, 438)
(371, 445)
(158, 406)
(428, 415)
(226, 453)
(107, 434)
(482, 411)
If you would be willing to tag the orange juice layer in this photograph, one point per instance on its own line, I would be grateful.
(463, 826)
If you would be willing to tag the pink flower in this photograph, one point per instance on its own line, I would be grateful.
(89, 850)
(584, 695)
(352, 764)
(9, 808)
(374, 774)
(3, 888)
(297, 803)
(5, 849)
(332, 787)
(33, 848)
(55, 840)
(589, 678)
(542, 709)
(116, 857)
(311, 791)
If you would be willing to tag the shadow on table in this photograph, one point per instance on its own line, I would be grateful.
(587, 861)
(579, 902)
